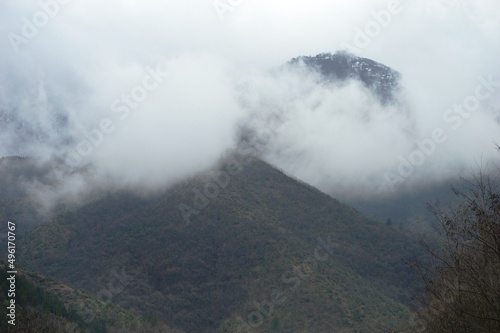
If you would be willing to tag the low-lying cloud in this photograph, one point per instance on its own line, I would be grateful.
(144, 94)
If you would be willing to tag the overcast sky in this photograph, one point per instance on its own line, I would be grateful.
(200, 68)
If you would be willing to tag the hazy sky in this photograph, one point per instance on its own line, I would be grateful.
(168, 83)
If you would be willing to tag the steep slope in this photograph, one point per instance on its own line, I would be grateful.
(263, 241)
(45, 305)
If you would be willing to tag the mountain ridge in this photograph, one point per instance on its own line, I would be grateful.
(252, 239)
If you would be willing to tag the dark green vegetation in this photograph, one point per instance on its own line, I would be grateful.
(32, 302)
(45, 305)
(255, 238)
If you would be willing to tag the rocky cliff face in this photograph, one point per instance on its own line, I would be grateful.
(382, 79)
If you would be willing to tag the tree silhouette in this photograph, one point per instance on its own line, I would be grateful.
(463, 281)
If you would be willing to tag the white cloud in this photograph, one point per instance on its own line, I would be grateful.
(92, 52)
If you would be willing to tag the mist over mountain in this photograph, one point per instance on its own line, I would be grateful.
(322, 118)
(304, 117)
(262, 242)
(238, 166)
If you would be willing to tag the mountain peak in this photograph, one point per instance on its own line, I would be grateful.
(343, 65)
(243, 243)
